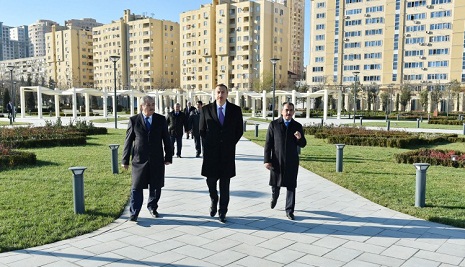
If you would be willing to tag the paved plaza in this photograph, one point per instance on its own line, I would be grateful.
(333, 227)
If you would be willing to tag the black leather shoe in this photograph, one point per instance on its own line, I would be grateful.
(133, 218)
(178, 156)
(213, 208)
(154, 213)
(290, 215)
(222, 218)
(197, 156)
(273, 203)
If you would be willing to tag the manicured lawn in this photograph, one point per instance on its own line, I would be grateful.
(37, 201)
(372, 173)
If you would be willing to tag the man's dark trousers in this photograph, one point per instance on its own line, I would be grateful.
(224, 193)
(178, 140)
(137, 199)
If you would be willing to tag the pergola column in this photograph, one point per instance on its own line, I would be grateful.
(264, 106)
(325, 105)
(87, 103)
(294, 97)
(307, 115)
(57, 106)
(74, 103)
(131, 102)
(39, 103)
(339, 104)
(105, 104)
(23, 101)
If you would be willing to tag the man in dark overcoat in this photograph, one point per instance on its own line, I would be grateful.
(194, 118)
(177, 122)
(187, 110)
(283, 138)
(221, 127)
(148, 143)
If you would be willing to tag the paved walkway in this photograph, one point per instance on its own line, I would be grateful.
(333, 227)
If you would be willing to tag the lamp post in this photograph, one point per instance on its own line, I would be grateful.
(114, 59)
(355, 73)
(273, 61)
(389, 100)
(11, 68)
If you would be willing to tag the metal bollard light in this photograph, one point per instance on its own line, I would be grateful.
(420, 187)
(78, 188)
(388, 125)
(463, 132)
(322, 121)
(114, 158)
(245, 126)
(339, 157)
(256, 130)
(418, 123)
(361, 120)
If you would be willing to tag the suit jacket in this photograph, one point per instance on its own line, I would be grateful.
(193, 120)
(9, 107)
(281, 151)
(188, 111)
(176, 124)
(149, 151)
(220, 141)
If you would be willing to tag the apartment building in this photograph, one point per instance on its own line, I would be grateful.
(33, 69)
(69, 57)
(389, 42)
(37, 33)
(86, 23)
(14, 42)
(296, 36)
(148, 49)
(232, 42)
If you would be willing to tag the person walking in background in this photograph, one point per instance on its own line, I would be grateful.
(187, 110)
(9, 108)
(221, 127)
(194, 118)
(148, 142)
(283, 138)
(176, 124)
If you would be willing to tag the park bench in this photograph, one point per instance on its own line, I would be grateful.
(97, 111)
(70, 112)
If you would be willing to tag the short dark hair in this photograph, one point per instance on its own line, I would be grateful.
(288, 103)
(199, 102)
(222, 85)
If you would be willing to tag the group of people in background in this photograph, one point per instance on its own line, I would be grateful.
(216, 129)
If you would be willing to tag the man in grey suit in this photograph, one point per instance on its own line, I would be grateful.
(221, 127)
(148, 142)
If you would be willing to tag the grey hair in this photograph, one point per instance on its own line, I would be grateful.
(146, 99)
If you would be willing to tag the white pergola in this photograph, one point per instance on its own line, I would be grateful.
(179, 95)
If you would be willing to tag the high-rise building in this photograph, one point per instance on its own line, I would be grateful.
(37, 33)
(86, 23)
(148, 50)
(389, 42)
(69, 58)
(232, 42)
(14, 42)
(296, 36)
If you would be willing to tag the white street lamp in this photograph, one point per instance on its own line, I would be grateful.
(114, 59)
(273, 61)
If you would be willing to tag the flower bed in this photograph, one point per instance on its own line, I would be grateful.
(433, 157)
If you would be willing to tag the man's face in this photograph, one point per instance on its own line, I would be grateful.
(287, 112)
(177, 108)
(189, 104)
(221, 95)
(148, 108)
(199, 106)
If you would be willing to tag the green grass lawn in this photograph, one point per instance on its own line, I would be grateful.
(372, 173)
(37, 201)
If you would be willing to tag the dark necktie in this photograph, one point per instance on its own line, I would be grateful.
(221, 115)
(147, 123)
(286, 123)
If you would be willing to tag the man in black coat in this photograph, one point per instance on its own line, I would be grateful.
(194, 118)
(187, 111)
(148, 142)
(9, 108)
(283, 138)
(221, 127)
(177, 122)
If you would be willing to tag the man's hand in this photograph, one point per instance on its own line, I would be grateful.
(268, 166)
(297, 135)
(167, 163)
(125, 166)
